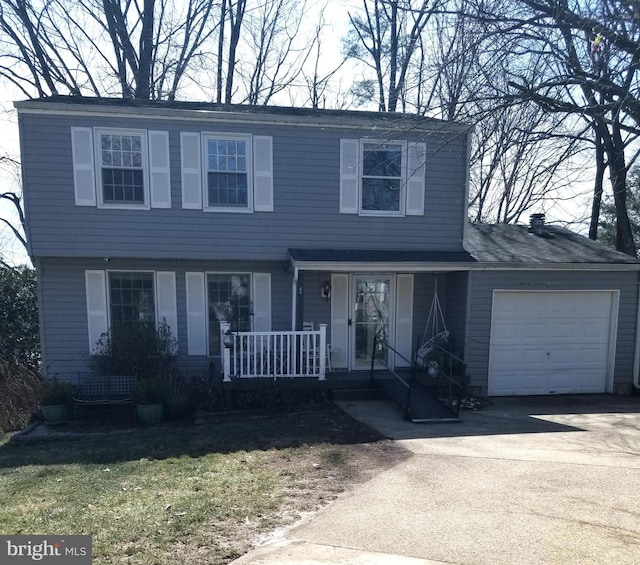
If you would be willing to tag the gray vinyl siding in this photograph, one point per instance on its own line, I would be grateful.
(306, 199)
(456, 300)
(314, 307)
(64, 311)
(423, 289)
(482, 285)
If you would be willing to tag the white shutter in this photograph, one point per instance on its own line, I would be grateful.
(84, 175)
(404, 319)
(416, 158)
(97, 319)
(339, 320)
(349, 175)
(196, 314)
(263, 173)
(166, 293)
(261, 302)
(159, 169)
(191, 170)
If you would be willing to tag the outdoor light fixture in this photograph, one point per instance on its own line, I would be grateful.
(325, 291)
(228, 340)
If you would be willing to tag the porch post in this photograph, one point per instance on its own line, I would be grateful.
(225, 352)
(294, 299)
(323, 351)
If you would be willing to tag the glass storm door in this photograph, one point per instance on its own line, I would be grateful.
(372, 295)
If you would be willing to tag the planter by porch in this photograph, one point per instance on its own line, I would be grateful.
(149, 413)
(55, 413)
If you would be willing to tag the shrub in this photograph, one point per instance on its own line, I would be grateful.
(53, 392)
(139, 350)
(20, 388)
(19, 337)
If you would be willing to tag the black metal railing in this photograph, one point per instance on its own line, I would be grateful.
(417, 388)
(447, 378)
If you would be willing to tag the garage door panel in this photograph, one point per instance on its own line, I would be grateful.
(550, 342)
(535, 330)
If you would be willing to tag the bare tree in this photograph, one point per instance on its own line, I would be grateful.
(78, 47)
(13, 197)
(385, 36)
(581, 58)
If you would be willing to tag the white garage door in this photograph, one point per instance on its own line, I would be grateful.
(551, 342)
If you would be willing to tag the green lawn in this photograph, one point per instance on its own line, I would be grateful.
(186, 494)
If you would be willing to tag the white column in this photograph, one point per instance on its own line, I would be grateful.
(226, 352)
(323, 351)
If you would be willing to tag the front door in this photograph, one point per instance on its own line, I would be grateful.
(372, 320)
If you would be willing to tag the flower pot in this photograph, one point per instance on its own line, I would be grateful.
(149, 413)
(55, 413)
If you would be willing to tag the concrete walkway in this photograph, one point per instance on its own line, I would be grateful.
(538, 480)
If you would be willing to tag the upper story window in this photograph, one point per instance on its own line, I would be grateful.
(382, 178)
(226, 172)
(122, 172)
(121, 168)
(228, 163)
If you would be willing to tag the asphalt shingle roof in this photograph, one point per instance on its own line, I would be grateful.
(502, 243)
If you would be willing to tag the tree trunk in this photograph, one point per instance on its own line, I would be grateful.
(223, 16)
(597, 189)
(143, 78)
(618, 172)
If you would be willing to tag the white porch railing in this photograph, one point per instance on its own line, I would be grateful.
(273, 354)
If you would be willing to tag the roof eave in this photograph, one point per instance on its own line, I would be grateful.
(387, 122)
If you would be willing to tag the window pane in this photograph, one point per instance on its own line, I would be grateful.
(122, 173)
(381, 194)
(226, 155)
(121, 185)
(229, 300)
(131, 301)
(228, 189)
(382, 160)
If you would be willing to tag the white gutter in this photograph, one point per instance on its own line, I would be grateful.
(636, 355)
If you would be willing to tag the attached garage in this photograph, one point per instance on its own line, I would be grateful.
(552, 342)
(549, 312)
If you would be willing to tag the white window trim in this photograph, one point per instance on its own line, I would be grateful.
(206, 296)
(133, 271)
(97, 149)
(401, 212)
(248, 139)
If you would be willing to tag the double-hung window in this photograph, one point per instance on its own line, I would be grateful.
(122, 168)
(228, 172)
(131, 301)
(382, 180)
(229, 297)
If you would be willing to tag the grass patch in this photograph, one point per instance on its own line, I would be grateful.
(186, 494)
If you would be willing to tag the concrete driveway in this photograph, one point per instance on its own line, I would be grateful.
(528, 480)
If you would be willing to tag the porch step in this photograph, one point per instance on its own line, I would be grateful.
(423, 406)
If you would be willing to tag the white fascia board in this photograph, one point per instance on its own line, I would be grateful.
(363, 267)
(421, 267)
(346, 122)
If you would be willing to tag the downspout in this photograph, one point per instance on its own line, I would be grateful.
(636, 356)
(294, 299)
